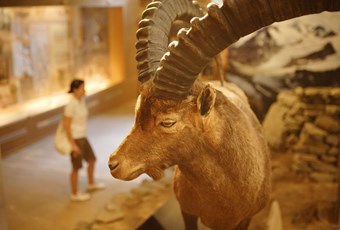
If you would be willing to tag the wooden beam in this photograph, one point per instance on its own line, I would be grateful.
(116, 40)
(3, 213)
(33, 3)
(98, 3)
(338, 196)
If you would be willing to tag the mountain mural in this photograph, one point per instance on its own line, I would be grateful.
(299, 52)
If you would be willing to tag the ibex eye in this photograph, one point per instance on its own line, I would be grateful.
(168, 123)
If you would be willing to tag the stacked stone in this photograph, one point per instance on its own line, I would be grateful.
(309, 127)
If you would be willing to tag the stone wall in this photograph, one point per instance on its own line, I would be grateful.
(306, 121)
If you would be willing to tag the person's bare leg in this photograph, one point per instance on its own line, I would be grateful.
(74, 181)
(90, 171)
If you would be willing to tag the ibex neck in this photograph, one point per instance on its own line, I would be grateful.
(205, 172)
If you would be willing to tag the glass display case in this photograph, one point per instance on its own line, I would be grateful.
(43, 47)
(44, 44)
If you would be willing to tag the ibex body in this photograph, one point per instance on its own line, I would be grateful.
(212, 136)
(216, 142)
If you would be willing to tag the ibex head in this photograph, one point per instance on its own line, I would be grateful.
(173, 107)
(163, 133)
(159, 123)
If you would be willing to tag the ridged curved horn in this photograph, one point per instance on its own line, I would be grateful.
(218, 29)
(154, 30)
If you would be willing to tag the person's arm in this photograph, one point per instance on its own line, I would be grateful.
(67, 126)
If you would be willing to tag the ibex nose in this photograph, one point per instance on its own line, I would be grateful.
(113, 165)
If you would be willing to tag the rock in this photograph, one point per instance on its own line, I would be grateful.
(303, 122)
(127, 199)
(292, 124)
(314, 106)
(322, 177)
(292, 140)
(333, 110)
(299, 91)
(329, 159)
(111, 206)
(335, 93)
(312, 112)
(280, 172)
(334, 96)
(323, 167)
(318, 148)
(105, 216)
(310, 130)
(335, 151)
(287, 98)
(328, 123)
(273, 126)
(142, 191)
(297, 109)
(275, 217)
(307, 157)
(300, 165)
(84, 225)
(318, 95)
(333, 140)
(155, 185)
(326, 211)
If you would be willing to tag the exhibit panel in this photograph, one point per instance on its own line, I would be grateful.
(43, 48)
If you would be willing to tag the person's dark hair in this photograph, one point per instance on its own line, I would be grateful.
(75, 84)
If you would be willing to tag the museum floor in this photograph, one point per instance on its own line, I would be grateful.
(36, 178)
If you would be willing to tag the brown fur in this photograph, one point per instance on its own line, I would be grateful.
(222, 159)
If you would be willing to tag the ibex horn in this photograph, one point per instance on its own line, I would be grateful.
(154, 30)
(218, 29)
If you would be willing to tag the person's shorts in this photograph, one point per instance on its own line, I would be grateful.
(86, 153)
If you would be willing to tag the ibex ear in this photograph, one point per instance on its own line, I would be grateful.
(206, 100)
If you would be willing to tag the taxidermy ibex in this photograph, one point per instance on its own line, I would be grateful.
(223, 164)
